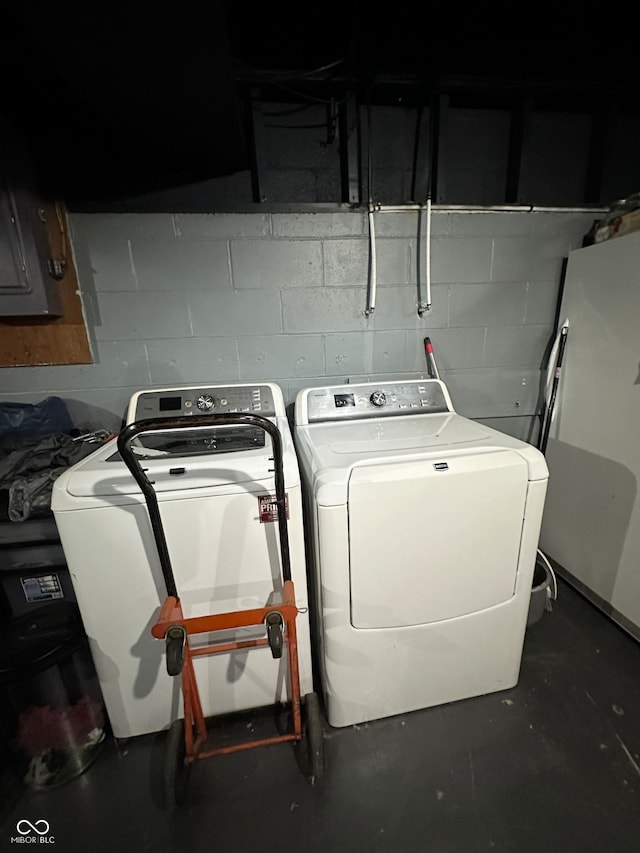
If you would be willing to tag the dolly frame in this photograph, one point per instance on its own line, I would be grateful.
(172, 626)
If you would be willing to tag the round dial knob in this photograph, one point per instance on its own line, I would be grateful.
(205, 402)
(378, 398)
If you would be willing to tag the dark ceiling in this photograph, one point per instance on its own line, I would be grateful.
(130, 98)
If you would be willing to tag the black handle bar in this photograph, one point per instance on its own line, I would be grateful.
(137, 428)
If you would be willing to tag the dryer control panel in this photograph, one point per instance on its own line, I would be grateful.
(376, 400)
(174, 403)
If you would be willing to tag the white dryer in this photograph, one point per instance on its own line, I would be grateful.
(423, 529)
(215, 493)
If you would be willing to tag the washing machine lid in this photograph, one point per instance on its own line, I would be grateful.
(103, 474)
(209, 442)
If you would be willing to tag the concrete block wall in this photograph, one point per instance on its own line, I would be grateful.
(204, 298)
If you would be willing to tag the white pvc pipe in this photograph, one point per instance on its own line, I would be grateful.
(489, 208)
(427, 256)
(373, 283)
(425, 304)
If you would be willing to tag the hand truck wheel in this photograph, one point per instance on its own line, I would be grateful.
(275, 624)
(176, 770)
(175, 638)
(310, 749)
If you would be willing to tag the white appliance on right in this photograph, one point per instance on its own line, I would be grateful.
(591, 524)
(422, 530)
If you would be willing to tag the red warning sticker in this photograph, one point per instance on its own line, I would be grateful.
(268, 507)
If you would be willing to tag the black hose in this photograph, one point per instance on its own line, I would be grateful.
(544, 438)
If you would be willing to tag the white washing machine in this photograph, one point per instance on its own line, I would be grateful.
(215, 493)
(423, 529)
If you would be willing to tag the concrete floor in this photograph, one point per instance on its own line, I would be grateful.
(552, 764)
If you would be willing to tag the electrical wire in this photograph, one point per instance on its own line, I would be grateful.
(300, 108)
(275, 78)
(311, 98)
(271, 76)
(297, 126)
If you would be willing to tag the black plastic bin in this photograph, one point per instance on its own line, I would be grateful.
(51, 707)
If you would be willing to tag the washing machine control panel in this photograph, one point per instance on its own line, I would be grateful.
(173, 403)
(369, 400)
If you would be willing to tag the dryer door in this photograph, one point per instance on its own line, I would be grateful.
(435, 538)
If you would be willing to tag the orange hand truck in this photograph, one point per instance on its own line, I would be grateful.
(187, 739)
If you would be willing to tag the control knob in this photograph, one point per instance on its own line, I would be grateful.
(378, 399)
(205, 402)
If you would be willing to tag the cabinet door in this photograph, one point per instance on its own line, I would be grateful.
(26, 288)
